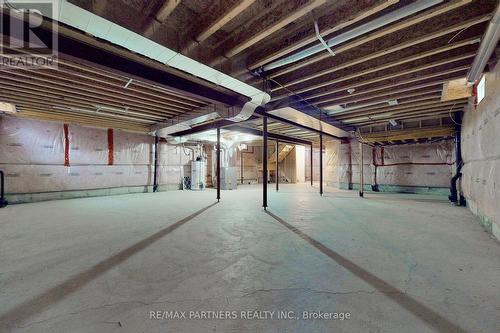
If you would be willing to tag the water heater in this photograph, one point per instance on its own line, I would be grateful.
(198, 174)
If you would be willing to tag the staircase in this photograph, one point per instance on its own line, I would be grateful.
(283, 152)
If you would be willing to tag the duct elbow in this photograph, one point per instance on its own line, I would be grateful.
(249, 107)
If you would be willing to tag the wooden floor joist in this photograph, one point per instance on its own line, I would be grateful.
(274, 28)
(395, 48)
(460, 69)
(402, 105)
(10, 87)
(356, 85)
(408, 134)
(369, 98)
(312, 39)
(428, 14)
(395, 111)
(396, 63)
(417, 112)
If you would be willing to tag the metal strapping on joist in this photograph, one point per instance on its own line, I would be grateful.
(66, 145)
(320, 38)
(110, 146)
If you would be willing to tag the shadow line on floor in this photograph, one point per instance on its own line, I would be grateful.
(421, 311)
(39, 303)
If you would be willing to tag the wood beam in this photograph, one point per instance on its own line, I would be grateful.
(166, 9)
(428, 14)
(387, 51)
(311, 39)
(275, 27)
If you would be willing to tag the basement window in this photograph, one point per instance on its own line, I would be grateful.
(481, 90)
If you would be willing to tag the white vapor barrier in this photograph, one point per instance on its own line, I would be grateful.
(88, 145)
(434, 169)
(27, 142)
(32, 158)
(316, 163)
(429, 165)
(481, 155)
(133, 148)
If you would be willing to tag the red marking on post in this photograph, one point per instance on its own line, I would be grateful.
(110, 146)
(66, 145)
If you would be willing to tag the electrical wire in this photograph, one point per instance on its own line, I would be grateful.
(458, 33)
(453, 120)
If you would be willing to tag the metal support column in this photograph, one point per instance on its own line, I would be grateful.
(277, 166)
(312, 165)
(361, 182)
(241, 166)
(218, 164)
(321, 163)
(3, 201)
(264, 162)
(155, 176)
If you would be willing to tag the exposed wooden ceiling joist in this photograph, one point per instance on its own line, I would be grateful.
(76, 89)
(221, 21)
(408, 134)
(166, 9)
(402, 104)
(397, 110)
(436, 11)
(391, 76)
(34, 113)
(397, 47)
(341, 99)
(424, 114)
(396, 63)
(311, 39)
(274, 28)
(375, 100)
(426, 110)
(49, 95)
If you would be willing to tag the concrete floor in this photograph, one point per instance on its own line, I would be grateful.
(396, 263)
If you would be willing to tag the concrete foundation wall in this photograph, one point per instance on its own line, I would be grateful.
(481, 155)
(32, 158)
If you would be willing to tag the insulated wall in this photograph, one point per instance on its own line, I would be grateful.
(416, 168)
(315, 163)
(481, 155)
(33, 155)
